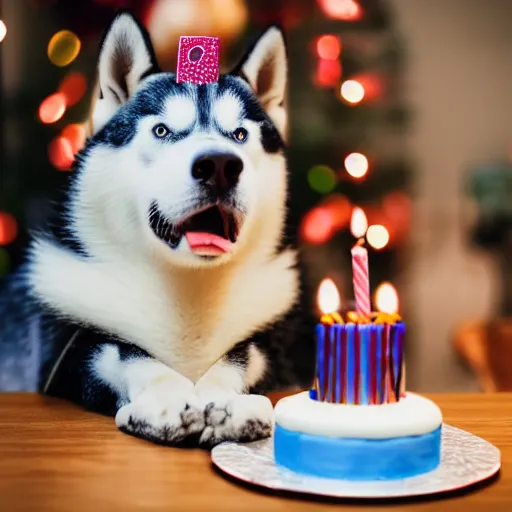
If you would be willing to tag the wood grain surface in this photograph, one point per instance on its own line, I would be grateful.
(56, 457)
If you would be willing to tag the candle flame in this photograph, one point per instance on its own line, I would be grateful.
(328, 297)
(386, 298)
(358, 222)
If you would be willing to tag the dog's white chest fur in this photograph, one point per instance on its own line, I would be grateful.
(187, 319)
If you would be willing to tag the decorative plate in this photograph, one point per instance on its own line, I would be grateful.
(465, 460)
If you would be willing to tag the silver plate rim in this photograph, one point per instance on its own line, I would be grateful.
(253, 463)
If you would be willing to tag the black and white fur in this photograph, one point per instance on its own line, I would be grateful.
(175, 345)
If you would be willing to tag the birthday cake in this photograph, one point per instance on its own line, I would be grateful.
(358, 423)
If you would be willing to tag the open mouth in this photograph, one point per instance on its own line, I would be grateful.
(210, 231)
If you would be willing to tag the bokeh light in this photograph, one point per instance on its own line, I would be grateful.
(386, 298)
(340, 209)
(328, 73)
(322, 179)
(358, 222)
(3, 31)
(73, 87)
(377, 236)
(5, 261)
(346, 10)
(356, 164)
(75, 134)
(63, 48)
(60, 153)
(52, 108)
(317, 226)
(352, 91)
(8, 228)
(328, 47)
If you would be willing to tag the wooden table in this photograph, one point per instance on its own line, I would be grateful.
(56, 457)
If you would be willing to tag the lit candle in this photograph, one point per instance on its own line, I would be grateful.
(386, 301)
(327, 338)
(361, 279)
(328, 300)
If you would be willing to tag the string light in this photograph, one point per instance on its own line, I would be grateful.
(75, 134)
(386, 298)
(321, 179)
(52, 108)
(8, 228)
(3, 31)
(63, 48)
(328, 47)
(358, 222)
(347, 10)
(356, 164)
(377, 236)
(340, 209)
(352, 91)
(60, 153)
(328, 73)
(317, 226)
(73, 87)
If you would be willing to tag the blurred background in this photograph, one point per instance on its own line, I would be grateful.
(400, 132)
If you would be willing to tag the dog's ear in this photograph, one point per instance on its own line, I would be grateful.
(126, 57)
(265, 67)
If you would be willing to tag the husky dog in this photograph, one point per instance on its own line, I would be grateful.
(167, 291)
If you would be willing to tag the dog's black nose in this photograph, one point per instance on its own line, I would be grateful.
(221, 170)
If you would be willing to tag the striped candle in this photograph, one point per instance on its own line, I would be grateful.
(361, 279)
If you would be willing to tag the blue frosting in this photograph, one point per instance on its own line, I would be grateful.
(357, 459)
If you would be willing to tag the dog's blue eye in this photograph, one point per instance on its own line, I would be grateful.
(160, 131)
(240, 134)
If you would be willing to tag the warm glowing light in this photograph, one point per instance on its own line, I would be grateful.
(377, 236)
(328, 47)
(328, 297)
(356, 165)
(386, 298)
(8, 228)
(63, 48)
(3, 31)
(352, 91)
(340, 209)
(358, 222)
(75, 134)
(347, 10)
(52, 108)
(73, 86)
(317, 226)
(60, 153)
(328, 73)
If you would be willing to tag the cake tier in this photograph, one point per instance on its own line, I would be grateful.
(373, 442)
(357, 459)
(359, 364)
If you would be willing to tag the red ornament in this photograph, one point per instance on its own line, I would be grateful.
(198, 60)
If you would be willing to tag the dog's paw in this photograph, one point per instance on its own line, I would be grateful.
(240, 418)
(162, 416)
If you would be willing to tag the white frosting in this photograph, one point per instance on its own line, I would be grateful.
(412, 415)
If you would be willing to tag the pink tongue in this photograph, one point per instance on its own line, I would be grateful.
(198, 240)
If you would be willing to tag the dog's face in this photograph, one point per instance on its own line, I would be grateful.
(195, 173)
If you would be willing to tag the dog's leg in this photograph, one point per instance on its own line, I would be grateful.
(230, 414)
(162, 405)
